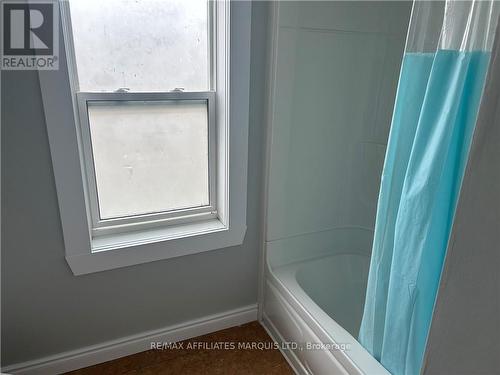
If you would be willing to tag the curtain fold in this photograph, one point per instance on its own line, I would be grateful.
(439, 91)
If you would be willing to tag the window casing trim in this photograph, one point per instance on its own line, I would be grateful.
(85, 253)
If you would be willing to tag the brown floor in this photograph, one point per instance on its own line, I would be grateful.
(208, 360)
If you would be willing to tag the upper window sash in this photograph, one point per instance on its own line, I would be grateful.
(212, 41)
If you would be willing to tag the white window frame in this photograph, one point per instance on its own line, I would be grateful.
(92, 245)
(81, 100)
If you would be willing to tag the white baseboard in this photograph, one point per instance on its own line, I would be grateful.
(110, 350)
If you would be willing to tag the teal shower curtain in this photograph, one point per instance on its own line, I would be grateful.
(440, 86)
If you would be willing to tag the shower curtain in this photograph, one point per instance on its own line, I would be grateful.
(440, 86)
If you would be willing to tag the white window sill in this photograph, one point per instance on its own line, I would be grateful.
(130, 239)
(125, 249)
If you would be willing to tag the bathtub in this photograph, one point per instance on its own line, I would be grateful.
(313, 302)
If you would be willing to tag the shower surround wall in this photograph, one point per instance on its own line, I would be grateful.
(337, 71)
(335, 68)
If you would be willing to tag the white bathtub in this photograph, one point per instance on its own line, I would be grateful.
(318, 300)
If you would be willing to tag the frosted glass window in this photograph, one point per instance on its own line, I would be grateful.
(141, 45)
(149, 156)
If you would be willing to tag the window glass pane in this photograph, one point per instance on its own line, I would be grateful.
(142, 45)
(149, 156)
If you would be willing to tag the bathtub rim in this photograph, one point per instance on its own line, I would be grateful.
(356, 361)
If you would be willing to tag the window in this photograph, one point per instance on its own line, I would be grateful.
(145, 110)
(142, 156)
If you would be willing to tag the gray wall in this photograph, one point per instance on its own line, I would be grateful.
(45, 309)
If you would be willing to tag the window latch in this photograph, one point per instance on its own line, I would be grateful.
(123, 89)
(178, 89)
